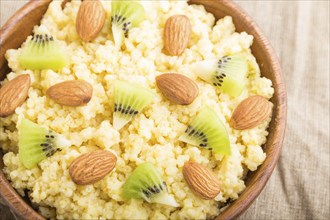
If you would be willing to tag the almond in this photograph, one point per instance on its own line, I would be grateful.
(177, 88)
(92, 167)
(90, 19)
(176, 34)
(71, 93)
(201, 180)
(13, 94)
(251, 112)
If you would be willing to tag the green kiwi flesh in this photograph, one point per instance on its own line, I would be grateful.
(36, 143)
(124, 16)
(146, 183)
(228, 73)
(130, 99)
(207, 131)
(43, 52)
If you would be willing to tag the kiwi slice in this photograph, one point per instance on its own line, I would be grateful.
(130, 99)
(207, 131)
(36, 143)
(146, 183)
(124, 16)
(228, 73)
(43, 52)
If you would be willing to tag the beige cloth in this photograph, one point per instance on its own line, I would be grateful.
(299, 31)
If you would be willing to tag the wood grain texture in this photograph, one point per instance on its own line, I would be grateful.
(269, 68)
(299, 32)
(299, 186)
(12, 36)
(15, 202)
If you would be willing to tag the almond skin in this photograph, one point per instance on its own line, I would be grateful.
(13, 94)
(92, 167)
(176, 34)
(71, 93)
(90, 19)
(201, 180)
(177, 88)
(251, 112)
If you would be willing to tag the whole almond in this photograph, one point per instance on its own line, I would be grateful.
(176, 34)
(177, 88)
(92, 167)
(13, 94)
(251, 112)
(71, 93)
(201, 180)
(90, 19)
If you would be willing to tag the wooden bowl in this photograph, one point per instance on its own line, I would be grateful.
(20, 25)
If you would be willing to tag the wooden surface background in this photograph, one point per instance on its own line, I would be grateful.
(299, 31)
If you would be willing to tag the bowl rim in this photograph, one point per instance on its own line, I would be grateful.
(23, 210)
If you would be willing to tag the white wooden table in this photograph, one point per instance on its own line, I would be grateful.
(299, 32)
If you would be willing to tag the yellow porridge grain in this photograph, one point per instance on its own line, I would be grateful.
(152, 136)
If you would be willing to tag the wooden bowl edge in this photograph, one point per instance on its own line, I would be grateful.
(9, 38)
(17, 203)
(247, 197)
(14, 201)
